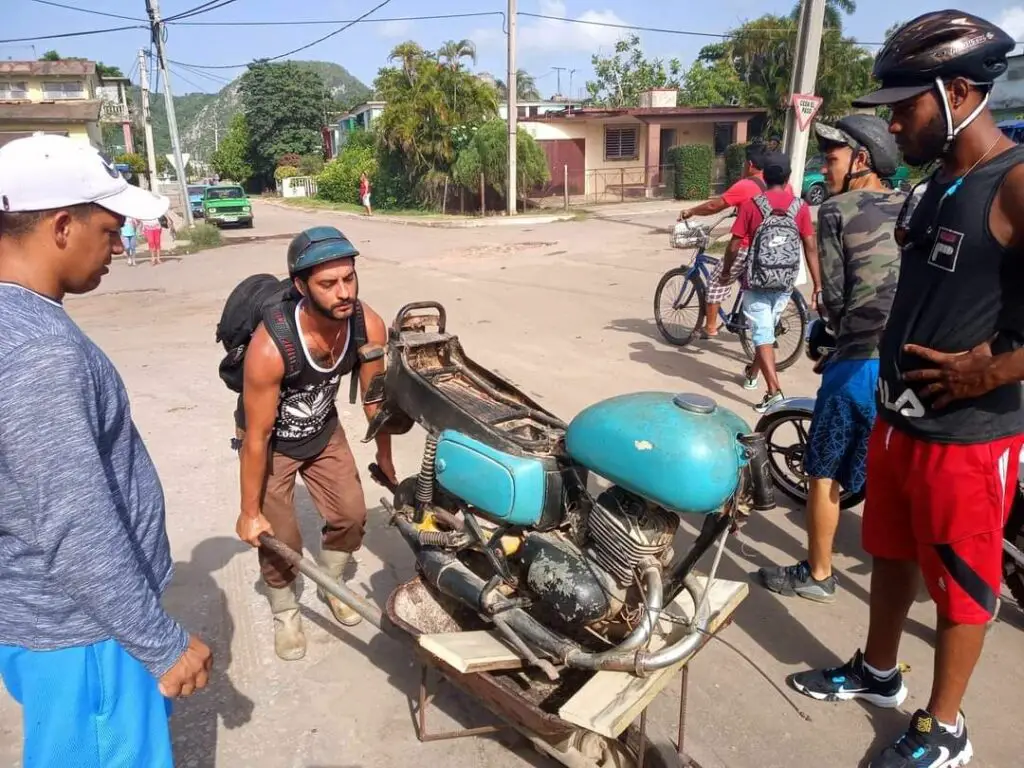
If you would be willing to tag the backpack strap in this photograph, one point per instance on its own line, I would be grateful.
(279, 321)
(760, 183)
(761, 201)
(359, 340)
(794, 207)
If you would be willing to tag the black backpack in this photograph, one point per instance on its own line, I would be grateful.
(266, 299)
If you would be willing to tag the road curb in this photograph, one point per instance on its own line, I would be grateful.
(493, 221)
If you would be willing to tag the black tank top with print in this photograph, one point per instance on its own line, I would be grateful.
(957, 289)
(306, 414)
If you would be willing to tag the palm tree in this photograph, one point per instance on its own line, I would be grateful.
(526, 87)
(409, 53)
(454, 51)
(834, 12)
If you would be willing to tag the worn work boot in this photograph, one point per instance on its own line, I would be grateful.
(334, 563)
(289, 640)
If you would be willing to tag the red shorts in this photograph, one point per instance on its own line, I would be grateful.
(153, 238)
(943, 506)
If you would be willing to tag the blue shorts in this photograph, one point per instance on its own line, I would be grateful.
(89, 707)
(763, 310)
(129, 243)
(837, 445)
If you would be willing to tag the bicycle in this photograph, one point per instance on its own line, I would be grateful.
(692, 295)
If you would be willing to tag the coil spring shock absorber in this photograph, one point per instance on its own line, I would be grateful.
(425, 480)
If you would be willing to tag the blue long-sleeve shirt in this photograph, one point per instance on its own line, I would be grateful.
(84, 555)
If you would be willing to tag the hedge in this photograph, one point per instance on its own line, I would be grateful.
(694, 166)
(735, 162)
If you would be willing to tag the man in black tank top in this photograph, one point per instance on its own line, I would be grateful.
(291, 425)
(943, 457)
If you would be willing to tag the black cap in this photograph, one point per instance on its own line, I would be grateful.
(776, 166)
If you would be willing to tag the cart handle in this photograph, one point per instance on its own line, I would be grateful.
(442, 316)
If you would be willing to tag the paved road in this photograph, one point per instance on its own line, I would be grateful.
(565, 311)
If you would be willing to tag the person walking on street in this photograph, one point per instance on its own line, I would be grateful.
(129, 235)
(859, 263)
(750, 186)
(86, 648)
(364, 193)
(289, 425)
(943, 455)
(770, 229)
(152, 231)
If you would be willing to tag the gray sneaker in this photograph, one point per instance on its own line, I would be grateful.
(768, 401)
(749, 378)
(797, 580)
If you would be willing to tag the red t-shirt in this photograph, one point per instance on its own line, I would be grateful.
(746, 189)
(749, 217)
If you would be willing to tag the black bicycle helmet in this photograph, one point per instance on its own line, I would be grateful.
(821, 343)
(938, 46)
(859, 132)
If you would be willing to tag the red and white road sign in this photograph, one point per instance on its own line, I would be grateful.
(806, 106)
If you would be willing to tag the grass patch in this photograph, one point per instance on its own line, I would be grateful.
(312, 202)
(200, 237)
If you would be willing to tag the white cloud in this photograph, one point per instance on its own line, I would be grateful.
(394, 29)
(1012, 20)
(549, 35)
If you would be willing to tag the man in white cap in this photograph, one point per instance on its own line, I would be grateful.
(85, 646)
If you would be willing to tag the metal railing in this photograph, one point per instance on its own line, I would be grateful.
(576, 187)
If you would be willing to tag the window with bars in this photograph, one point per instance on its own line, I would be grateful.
(70, 89)
(13, 91)
(621, 143)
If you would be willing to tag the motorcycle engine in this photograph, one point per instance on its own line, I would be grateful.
(590, 580)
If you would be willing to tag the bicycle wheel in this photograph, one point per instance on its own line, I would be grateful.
(683, 299)
(789, 336)
(785, 433)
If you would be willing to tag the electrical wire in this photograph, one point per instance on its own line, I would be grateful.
(177, 73)
(214, 78)
(211, 5)
(296, 50)
(314, 22)
(73, 34)
(88, 10)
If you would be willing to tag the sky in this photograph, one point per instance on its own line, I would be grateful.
(362, 49)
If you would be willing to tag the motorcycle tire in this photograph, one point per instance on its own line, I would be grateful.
(794, 484)
(1013, 573)
(795, 318)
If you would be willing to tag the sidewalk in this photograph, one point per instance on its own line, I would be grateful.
(437, 221)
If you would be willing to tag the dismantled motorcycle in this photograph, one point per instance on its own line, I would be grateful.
(506, 525)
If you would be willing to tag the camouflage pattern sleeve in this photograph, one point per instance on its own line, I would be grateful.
(871, 269)
(832, 260)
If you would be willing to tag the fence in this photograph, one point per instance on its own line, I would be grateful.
(576, 187)
(297, 186)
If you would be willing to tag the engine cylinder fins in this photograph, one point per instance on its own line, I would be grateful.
(623, 529)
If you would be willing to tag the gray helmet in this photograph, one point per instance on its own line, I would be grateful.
(863, 132)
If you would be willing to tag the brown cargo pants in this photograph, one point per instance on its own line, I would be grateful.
(337, 492)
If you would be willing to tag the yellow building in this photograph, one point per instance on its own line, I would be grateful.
(62, 97)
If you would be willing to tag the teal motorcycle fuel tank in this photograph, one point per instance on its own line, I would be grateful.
(678, 451)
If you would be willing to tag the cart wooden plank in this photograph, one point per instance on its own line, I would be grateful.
(479, 651)
(610, 701)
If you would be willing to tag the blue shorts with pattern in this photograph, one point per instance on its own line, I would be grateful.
(837, 445)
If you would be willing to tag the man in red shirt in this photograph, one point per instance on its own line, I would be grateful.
(764, 299)
(750, 186)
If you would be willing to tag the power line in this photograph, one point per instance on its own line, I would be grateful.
(177, 73)
(73, 34)
(215, 78)
(206, 7)
(316, 22)
(296, 50)
(87, 10)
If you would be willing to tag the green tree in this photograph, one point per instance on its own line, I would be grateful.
(104, 70)
(134, 161)
(526, 87)
(622, 77)
(426, 108)
(283, 107)
(487, 153)
(50, 55)
(453, 52)
(410, 54)
(231, 160)
(162, 165)
(712, 84)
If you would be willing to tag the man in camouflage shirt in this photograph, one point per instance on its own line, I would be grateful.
(859, 272)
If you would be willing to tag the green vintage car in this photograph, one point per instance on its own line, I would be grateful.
(227, 204)
(816, 192)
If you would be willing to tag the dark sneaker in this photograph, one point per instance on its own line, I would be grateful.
(768, 401)
(926, 744)
(851, 681)
(749, 378)
(796, 579)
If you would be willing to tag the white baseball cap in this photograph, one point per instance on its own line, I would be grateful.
(42, 172)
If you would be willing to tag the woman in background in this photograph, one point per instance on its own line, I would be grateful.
(152, 231)
(128, 236)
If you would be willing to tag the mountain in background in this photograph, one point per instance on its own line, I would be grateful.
(201, 116)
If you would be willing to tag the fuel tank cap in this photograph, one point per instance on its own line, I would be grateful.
(695, 403)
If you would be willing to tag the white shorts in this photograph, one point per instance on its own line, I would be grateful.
(366, 201)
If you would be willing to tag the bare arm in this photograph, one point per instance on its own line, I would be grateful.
(731, 252)
(376, 338)
(811, 257)
(264, 371)
(710, 208)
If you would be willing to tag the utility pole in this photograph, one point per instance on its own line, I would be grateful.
(805, 76)
(558, 76)
(216, 135)
(513, 110)
(147, 124)
(153, 9)
(571, 72)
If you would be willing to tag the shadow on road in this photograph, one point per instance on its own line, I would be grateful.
(196, 599)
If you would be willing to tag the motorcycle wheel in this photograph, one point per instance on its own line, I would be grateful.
(785, 433)
(1013, 573)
